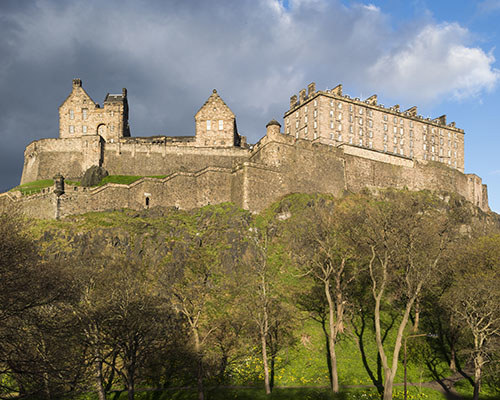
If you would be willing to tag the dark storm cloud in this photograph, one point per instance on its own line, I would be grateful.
(171, 54)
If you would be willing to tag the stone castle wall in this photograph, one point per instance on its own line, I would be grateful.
(279, 164)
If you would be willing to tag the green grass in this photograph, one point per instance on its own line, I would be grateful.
(125, 179)
(258, 393)
(33, 187)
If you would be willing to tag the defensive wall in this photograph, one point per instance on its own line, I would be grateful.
(216, 164)
(279, 164)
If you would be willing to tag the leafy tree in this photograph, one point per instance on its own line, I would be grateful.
(403, 236)
(322, 252)
(474, 300)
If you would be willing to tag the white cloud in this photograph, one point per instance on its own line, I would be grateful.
(434, 63)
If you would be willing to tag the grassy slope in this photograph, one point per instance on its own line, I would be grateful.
(302, 366)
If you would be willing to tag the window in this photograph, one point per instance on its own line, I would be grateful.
(455, 145)
(84, 128)
(425, 138)
(350, 118)
(340, 137)
(425, 146)
(361, 142)
(71, 114)
(305, 109)
(331, 125)
(411, 133)
(401, 131)
(288, 130)
(297, 114)
(340, 127)
(401, 121)
(209, 123)
(360, 132)
(315, 135)
(433, 158)
(385, 138)
(360, 111)
(411, 124)
(350, 107)
(288, 121)
(315, 124)
(395, 140)
(425, 156)
(370, 113)
(71, 129)
(370, 123)
(297, 124)
(360, 120)
(370, 144)
(112, 113)
(385, 127)
(395, 150)
(84, 113)
(315, 113)
(305, 130)
(432, 149)
(340, 106)
(331, 103)
(440, 151)
(441, 141)
(221, 124)
(411, 153)
(305, 119)
(331, 135)
(350, 129)
(340, 116)
(449, 153)
(370, 133)
(315, 103)
(395, 129)
(385, 148)
(411, 143)
(385, 117)
(401, 151)
(395, 120)
(350, 140)
(331, 114)
(402, 142)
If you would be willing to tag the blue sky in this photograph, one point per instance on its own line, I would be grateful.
(439, 55)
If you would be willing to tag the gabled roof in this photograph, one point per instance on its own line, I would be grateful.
(78, 87)
(217, 99)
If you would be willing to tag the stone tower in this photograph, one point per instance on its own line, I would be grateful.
(216, 124)
(80, 116)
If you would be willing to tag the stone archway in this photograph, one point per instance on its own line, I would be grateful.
(101, 130)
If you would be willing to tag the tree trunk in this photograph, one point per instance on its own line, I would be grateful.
(453, 364)
(388, 385)
(333, 356)
(327, 347)
(478, 361)
(199, 356)
(99, 379)
(273, 362)
(417, 316)
(264, 359)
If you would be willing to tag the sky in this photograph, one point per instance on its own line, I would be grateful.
(439, 55)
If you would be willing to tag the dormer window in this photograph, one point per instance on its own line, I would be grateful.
(221, 124)
(209, 124)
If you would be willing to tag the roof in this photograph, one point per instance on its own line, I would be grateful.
(114, 98)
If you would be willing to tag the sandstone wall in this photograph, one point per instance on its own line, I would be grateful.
(278, 165)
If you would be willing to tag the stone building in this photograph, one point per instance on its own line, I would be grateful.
(330, 144)
(339, 119)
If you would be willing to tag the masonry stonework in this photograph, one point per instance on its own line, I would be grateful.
(330, 144)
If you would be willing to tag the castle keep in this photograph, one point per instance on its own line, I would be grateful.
(331, 143)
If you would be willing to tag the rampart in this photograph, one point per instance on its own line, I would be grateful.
(279, 164)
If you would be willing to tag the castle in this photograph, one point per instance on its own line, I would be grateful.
(331, 143)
